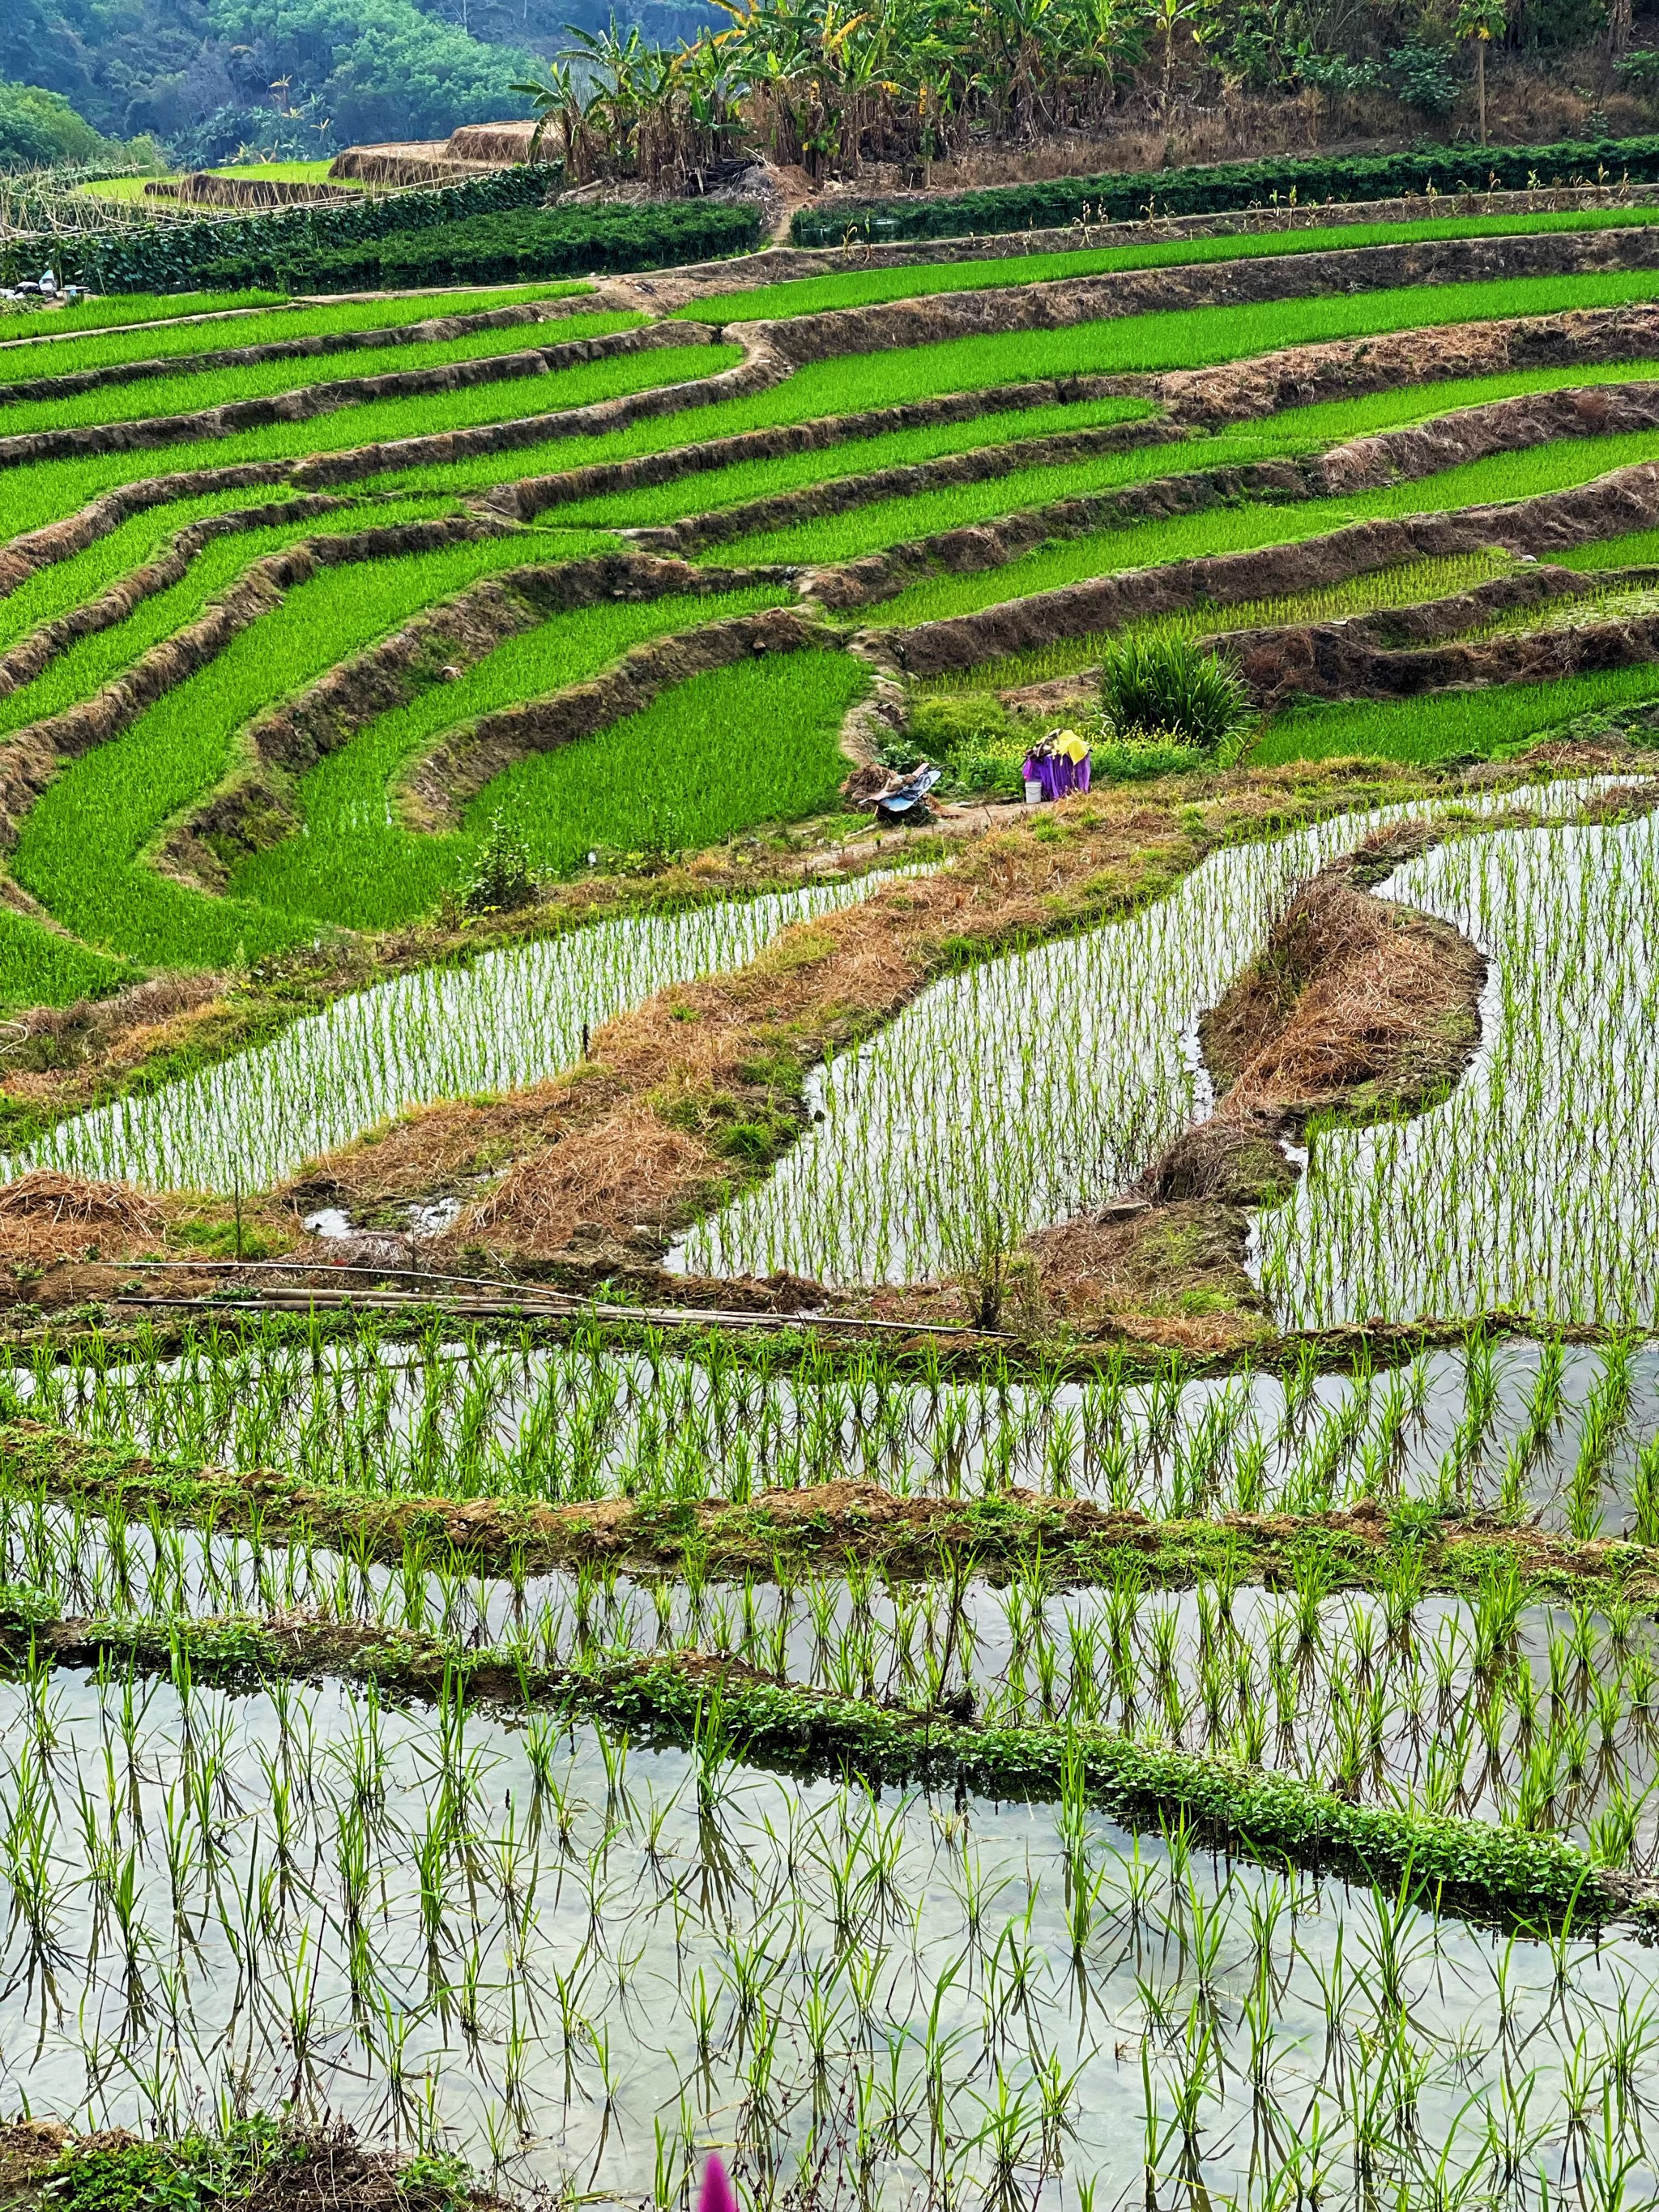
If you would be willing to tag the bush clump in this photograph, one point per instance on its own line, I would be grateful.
(1204, 189)
(501, 877)
(1162, 688)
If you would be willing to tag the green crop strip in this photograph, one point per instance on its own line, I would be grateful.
(720, 753)
(1638, 549)
(741, 480)
(856, 287)
(191, 393)
(92, 662)
(80, 848)
(1440, 725)
(857, 383)
(1298, 430)
(355, 865)
(1294, 430)
(64, 585)
(39, 968)
(726, 1711)
(119, 309)
(41, 490)
(1500, 478)
(60, 357)
(758, 742)
(1410, 585)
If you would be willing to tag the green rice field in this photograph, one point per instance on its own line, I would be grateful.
(958, 1502)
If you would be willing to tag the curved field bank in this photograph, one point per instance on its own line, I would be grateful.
(773, 265)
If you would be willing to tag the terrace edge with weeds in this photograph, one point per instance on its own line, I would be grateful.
(723, 1711)
(259, 2162)
(783, 1533)
(705, 1081)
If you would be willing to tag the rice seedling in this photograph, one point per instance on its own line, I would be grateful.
(421, 1780)
(85, 667)
(860, 382)
(118, 309)
(509, 1020)
(1224, 529)
(192, 391)
(1410, 585)
(81, 850)
(1490, 722)
(913, 1141)
(33, 492)
(64, 585)
(676, 776)
(1528, 1210)
(52, 345)
(859, 287)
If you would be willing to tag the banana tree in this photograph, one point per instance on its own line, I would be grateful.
(1483, 20)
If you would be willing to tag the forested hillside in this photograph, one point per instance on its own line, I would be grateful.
(300, 78)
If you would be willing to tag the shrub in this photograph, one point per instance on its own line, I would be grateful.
(974, 738)
(492, 228)
(1134, 756)
(553, 242)
(501, 877)
(1163, 686)
(1065, 200)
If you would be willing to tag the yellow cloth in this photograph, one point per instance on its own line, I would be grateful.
(1070, 745)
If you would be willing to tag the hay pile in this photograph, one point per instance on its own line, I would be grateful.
(47, 1217)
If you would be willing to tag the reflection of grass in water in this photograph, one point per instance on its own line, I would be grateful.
(1530, 1186)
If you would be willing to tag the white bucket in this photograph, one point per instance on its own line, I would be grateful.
(1033, 792)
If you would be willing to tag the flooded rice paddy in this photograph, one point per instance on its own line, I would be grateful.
(509, 1020)
(1533, 1187)
(1030, 1089)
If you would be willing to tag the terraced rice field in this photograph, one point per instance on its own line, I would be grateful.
(968, 1508)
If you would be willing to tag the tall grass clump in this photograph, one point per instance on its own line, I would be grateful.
(1162, 686)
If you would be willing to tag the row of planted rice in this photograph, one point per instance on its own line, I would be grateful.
(1132, 1675)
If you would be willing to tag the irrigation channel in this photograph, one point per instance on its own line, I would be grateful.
(1183, 1739)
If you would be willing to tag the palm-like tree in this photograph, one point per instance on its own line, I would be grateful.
(1483, 20)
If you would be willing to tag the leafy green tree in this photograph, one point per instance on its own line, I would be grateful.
(380, 69)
